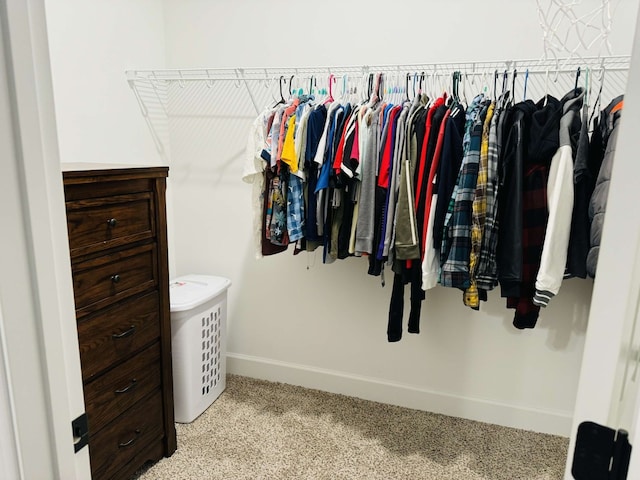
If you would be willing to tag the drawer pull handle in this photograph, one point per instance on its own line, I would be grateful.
(128, 387)
(115, 278)
(112, 222)
(130, 442)
(126, 333)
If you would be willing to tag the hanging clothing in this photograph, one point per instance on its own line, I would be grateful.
(534, 221)
(583, 184)
(315, 131)
(431, 256)
(253, 172)
(370, 130)
(435, 116)
(509, 252)
(472, 295)
(456, 245)
(452, 155)
(468, 197)
(542, 143)
(560, 203)
(406, 238)
(609, 126)
(487, 270)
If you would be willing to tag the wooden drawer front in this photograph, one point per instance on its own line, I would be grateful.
(103, 223)
(113, 334)
(82, 189)
(152, 454)
(120, 441)
(103, 280)
(120, 388)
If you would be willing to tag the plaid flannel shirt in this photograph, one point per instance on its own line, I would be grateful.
(534, 225)
(455, 269)
(295, 209)
(471, 114)
(487, 270)
(479, 213)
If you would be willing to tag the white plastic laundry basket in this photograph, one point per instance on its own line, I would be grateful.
(198, 341)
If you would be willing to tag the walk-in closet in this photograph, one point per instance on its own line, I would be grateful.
(424, 213)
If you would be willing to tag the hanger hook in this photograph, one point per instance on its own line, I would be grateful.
(332, 80)
(495, 83)
(282, 79)
(413, 86)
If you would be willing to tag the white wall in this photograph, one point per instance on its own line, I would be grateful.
(325, 326)
(92, 43)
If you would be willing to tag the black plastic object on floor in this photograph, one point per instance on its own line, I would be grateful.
(601, 453)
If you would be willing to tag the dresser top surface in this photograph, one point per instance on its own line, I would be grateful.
(79, 166)
(81, 169)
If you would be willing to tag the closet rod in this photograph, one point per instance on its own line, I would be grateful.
(535, 66)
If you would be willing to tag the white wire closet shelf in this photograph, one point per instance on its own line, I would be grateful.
(538, 66)
(241, 92)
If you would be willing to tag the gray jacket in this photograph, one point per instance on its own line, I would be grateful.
(598, 204)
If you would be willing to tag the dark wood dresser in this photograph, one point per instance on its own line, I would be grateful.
(118, 240)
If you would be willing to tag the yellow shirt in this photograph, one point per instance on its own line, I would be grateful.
(289, 148)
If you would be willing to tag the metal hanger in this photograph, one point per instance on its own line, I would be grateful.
(282, 100)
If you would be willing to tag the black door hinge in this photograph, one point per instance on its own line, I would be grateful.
(601, 453)
(80, 429)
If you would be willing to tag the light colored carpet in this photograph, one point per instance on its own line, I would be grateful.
(263, 430)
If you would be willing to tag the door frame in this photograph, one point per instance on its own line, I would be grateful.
(615, 292)
(41, 378)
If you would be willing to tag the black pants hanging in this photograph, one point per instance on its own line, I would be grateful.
(412, 276)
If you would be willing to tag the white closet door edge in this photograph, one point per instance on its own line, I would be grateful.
(614, 291)
(38, 324)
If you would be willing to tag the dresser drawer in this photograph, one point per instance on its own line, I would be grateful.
(111, 335)
(101, 223)
(103, 280)
(124, 438)
(79, 187)
(121, 387)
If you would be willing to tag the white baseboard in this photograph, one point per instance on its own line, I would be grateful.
(384, 391)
